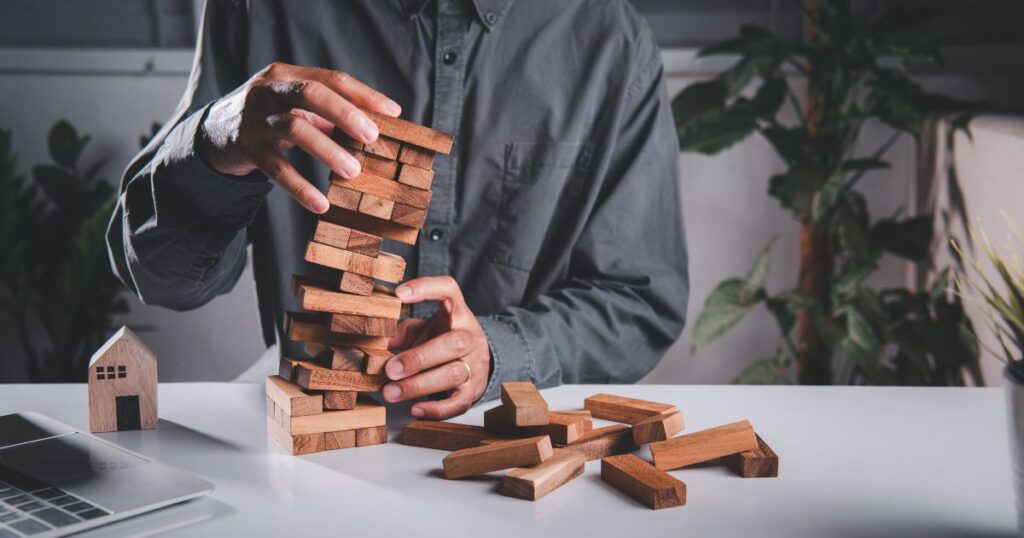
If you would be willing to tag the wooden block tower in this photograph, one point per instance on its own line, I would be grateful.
(314, 404)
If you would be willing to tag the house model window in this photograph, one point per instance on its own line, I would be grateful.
(111, 372)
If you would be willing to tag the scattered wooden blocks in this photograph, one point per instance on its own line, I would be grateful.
(762, 462)
(658, 428)
(524, 404)
(581, 415)
(495, 457)
(623, 409)
(443, 435)
(642, 481)
(563, 429)
(704, 445)
(532, 483)
(603, 442)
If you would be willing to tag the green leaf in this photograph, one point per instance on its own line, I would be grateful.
(789, 143)
(757, 277)
(795, 189)
(753, 40)
(859, 330)
(826, 197)
(723, 309)
(853, 276)
(696, 100)
(909, 238)
(717, 130)
(769, 98)
(64, 144)
(762, 372)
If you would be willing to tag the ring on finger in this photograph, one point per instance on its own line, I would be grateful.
(469, 371)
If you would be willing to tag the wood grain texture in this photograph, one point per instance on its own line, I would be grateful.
(532, 483)
(382, 187)
(643, 481)
(315, 327)
(524, 403)
(418, 157)
(704, 445)
(331, 234)
(372, 436)
(658, 428)
(363, 415)
(581, 415)
(349, 359)
(603, 442)
(412, 133)
(343, 198)
(339, 400)
(377, 305)
(384, 147)
(364, 243)
(386, 267)
(122, 367)
(375, 360)
(762, 462)
(486, 458)
(311, 376)
(408, 215)
(371, 225)
(365, 325)
(562, 429)
(416, 177)
(295, 444)
(355, 284)
(376, 206)
(623, 409)
(291, 398)
(381, 167)
(339, 440)
(443, 435)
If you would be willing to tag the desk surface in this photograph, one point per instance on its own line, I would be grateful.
(855, 462)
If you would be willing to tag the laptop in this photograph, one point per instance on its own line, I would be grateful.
(56, 480)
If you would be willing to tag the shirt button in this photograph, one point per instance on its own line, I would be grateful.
(450, 57)
(436, 234)
(490, 18)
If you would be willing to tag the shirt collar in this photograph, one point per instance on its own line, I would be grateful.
(489, 12)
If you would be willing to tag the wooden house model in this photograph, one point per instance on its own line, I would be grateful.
(122, 385)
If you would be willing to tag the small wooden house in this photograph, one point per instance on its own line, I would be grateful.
(122, 385)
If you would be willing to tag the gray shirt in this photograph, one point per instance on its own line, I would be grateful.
(557, 212)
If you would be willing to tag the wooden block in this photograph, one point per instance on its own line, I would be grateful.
(335, 235)
(486, 458)
(367, 325)
(377, 305)
(524, 403)
(376, 206)
(386, 267)
(339, 440)
(343, 139)
(382, 187)
(372, 436)
(295, 444)
(315, 327)
(582, 415)
(417, 157)
(286, 369)
(379, 166)
(314, 377)
(762, 462)
(603, 442)
(291, 399)
(561, 428)
(704, 445)
(339, 400)
(363, 415)
(364, 243)
(643, 481)
(344, 198)
(416, 177)
(658, 428)
(384, 147)
(349, 359)
(532, 483)
(270, 406)
(408, 215)
(623, 409)
(412, 133)
(372, 225)
(443, 435)
(355, 284)
(375, 360)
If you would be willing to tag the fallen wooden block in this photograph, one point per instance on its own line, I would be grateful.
(408, 215)
(355, 284)
(562, 429)
(372, 225)
(486, 458)
(525, 405)
(376, 206)
(704, 445)
(314, 377)
(291, 399)
(642, 481)
(443, 435)
(372, 436)
(339, 400)
(532, 483)
(376, 305)
(658, 428)
(314, 327)
(365, 325)
(603, 442)
(762, 462)
(581, 415)
(412, 133)
(363, 415)
(623, 409)
(386, 267)
(416, 177)
(417, 157)
(382, 187)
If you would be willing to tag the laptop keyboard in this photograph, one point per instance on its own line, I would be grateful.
(27, 512)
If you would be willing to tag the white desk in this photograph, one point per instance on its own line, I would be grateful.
(855, 462)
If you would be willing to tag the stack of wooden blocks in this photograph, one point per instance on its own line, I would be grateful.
(314, 404)
(546, 449)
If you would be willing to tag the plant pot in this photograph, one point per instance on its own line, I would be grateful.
(1014, 383)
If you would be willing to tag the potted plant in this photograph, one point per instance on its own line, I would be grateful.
(998, 291)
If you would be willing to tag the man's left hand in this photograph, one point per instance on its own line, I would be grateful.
(447, 352)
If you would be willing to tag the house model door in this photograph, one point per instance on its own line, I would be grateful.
(128, 414)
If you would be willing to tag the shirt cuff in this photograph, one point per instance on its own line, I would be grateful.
(511, 357)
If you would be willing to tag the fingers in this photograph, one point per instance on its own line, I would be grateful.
(439, 350)
(320, 99)
(447, 376)
(354, 90)
(458, 403)
(407, 332)
(312, 140)
(430, 288)
(280, 171)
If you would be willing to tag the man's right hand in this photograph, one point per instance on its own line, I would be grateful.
(284, 106)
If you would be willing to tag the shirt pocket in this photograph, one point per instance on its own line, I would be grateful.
(536, 177)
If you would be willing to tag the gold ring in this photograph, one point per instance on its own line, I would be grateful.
(469, 371)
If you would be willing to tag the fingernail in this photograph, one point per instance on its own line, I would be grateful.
(392, 393)
(394, 368)
(403, 292)
(349, 167)
(393, 107)
(367, 129)
(417, 412)
(320, 205)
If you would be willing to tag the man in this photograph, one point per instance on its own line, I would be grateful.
(553, 249)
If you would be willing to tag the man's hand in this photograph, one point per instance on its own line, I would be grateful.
(284, 106)
(447, 352)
